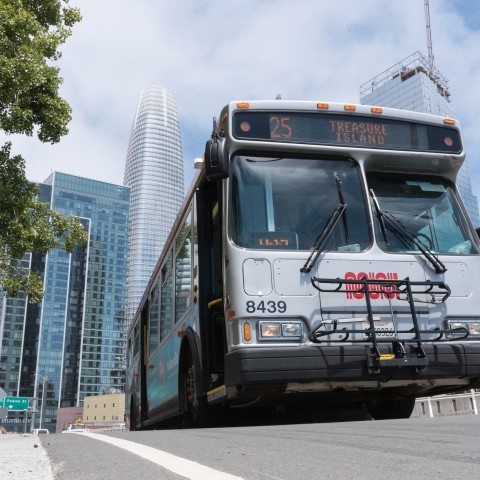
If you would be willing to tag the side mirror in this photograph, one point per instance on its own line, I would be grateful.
(216, 161)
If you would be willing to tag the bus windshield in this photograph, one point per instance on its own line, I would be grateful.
(286, 203)
(410, 209)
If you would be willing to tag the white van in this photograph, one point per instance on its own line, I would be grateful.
(75, 427)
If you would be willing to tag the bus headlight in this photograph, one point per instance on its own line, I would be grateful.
(270, 329)
(472, 326)
(279, 330)
(292, 330)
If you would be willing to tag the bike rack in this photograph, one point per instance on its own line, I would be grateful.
(402, 290)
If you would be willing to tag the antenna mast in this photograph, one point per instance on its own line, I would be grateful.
(431, 59)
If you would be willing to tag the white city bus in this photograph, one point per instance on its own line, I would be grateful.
(322, 256)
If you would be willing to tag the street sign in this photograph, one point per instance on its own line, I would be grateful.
(15, 404)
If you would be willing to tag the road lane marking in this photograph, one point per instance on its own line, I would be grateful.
(181, 466)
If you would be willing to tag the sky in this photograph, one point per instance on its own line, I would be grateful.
(209, 52)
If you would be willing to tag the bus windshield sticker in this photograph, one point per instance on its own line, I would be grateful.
(427, 186)
(277, 240)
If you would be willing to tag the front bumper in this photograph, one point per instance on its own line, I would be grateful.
(446, 364)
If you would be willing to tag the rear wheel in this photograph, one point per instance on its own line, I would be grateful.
(195, 405)
(133, 416)
(392, 408)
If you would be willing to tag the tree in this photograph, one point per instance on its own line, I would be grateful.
(31, 31)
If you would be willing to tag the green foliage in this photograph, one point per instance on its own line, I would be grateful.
(31, 31)
(28, 225)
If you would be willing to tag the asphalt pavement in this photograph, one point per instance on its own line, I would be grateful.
(23, 457)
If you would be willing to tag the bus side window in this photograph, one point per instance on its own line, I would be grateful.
(166, 298)
(183, 269)
(136, 340)
(129, 351)
(153, 320)
(478, 231)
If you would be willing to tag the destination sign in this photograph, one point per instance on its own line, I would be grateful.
(345, 130)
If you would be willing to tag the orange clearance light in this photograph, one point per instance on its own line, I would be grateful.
(349, 108)
(231, 314)
(376, 110)
(247, 336)
(449, 121)
(323, 106)
(243, 105)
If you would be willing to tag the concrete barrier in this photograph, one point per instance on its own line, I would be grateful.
(462, 404)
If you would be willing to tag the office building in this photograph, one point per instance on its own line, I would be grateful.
(154, 172)
(71, 345)
(415, 84)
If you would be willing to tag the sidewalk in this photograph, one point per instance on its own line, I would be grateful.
(23, 457)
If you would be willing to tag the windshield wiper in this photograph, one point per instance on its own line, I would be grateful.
(342, 202)
(324, 235)
(388, 220)
(379, 216)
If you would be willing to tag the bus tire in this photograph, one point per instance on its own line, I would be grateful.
(195, 404)
(133, 416)
(392, 408)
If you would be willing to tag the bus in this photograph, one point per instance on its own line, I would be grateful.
(322, 256)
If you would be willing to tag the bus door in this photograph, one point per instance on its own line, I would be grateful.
(212, 321)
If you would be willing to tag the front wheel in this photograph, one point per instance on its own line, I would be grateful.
(391, 409)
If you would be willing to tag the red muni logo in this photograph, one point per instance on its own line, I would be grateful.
(376, 291)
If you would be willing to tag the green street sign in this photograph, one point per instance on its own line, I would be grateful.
(15, 404)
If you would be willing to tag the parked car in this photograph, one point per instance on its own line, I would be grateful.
(40, 431)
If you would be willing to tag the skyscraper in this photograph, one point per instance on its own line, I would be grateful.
(415, 84)
(72, 343)
(154, 171)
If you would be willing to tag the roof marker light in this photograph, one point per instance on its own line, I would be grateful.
(349, 108)
(449, 121)
(323, 106)
(376, 110)
(243, 105)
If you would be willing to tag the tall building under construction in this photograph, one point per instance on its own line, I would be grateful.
(415, 84)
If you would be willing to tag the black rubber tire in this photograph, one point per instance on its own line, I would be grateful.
(133, 417)
(391, 409)
(195, 414)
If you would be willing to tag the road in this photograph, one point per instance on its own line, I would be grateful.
(421, 448)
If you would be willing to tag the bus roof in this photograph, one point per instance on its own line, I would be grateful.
(303, 105)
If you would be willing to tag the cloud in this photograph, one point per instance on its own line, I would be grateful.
(209, 52)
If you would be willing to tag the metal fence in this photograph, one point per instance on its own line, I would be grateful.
(463, 404)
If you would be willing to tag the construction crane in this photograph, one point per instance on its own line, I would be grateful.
(431, 59)
(433, 73)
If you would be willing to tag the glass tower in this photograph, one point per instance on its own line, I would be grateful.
(414, 84)
(71, 344)
(154, 172)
